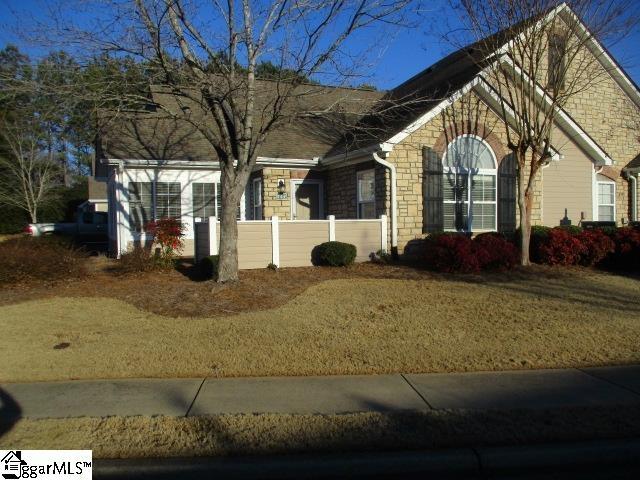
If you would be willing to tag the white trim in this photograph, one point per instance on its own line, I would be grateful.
(168, 164)
(300, 181)
(564, 120)
(359, 173)
(394, 202)
(288, 162)
(430, 115)
(594, 194)
(257, 180)
(275, 241)
(332, 228)
(213, 236)
(596, 213)
(620, 77)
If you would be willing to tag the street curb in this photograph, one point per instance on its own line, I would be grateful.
(480, 463)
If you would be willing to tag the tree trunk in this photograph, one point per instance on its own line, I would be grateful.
(228, 264)
(231, 195)
(524, 207)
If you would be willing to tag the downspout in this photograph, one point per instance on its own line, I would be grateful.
(394, 207)
(634, 198)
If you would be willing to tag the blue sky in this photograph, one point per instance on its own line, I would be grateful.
(403, 54)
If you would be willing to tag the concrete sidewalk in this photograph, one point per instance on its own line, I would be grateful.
(528, 389)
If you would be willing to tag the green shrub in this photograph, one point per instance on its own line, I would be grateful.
(272, 266)
(334, 254)
(209, 266)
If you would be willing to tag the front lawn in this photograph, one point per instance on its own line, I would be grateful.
(222, 435)
(357, 321)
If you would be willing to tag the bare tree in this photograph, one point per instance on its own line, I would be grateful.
(537, 55)
(29, 178)
(209, 54)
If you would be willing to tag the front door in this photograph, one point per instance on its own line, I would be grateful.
(306, 201)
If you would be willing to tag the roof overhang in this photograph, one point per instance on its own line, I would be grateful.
(208, 165)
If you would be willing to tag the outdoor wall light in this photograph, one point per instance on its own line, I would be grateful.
(282, 188)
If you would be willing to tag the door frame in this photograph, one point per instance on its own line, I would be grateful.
(308, 181)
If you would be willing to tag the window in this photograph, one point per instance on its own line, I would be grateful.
(141, 202)
(366, 194)
(557, 54)
(204, 200)
(606, 199)
(256, 199)
(469, 186)
(167, 200)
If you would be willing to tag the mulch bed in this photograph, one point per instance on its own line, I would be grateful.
(182, 293)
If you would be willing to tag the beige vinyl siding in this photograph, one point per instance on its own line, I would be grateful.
(567, 183)
(364, 235)
(254, 244)
(297, 240)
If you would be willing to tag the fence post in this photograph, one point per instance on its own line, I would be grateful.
(275, 241)
(383, 233)
(213, 236)
(332, 228)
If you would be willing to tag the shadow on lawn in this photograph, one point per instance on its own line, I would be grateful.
(10, 412)
(576, 285)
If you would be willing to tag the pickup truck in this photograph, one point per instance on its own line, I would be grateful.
(88, 226)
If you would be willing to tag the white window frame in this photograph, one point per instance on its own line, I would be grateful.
(446, 170)
(154, 201)
(256, 185)
(292, 202)
(597, 199)
(359, 202)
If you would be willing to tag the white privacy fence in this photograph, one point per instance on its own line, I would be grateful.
(289, 243)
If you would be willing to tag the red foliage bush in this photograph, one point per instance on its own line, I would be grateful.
(168, 232)
(560, 247)
(596, 246)
(627, 249)
(452, 252)
(457, 253)
(496, 252)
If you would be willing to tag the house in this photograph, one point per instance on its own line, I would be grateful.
(154, 166)
(11, 464)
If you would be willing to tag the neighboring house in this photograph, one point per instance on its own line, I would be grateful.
(155, 167)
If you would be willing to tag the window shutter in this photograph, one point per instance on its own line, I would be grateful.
(507, 194)
(432, 210)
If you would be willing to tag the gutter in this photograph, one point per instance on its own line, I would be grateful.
(634, 194)
(394, 204)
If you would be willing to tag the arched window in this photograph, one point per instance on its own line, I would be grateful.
(469, 185)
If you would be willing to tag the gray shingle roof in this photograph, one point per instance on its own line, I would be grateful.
(160, 133)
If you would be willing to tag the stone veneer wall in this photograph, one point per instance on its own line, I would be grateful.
(609, 116)
(271, 205)
(341, 190)
(407, 156)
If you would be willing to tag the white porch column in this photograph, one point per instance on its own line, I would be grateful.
(332, 228)
(275, 241)
(213, 236)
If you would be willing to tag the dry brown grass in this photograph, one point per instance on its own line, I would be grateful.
(118, 437)
(558, 318)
